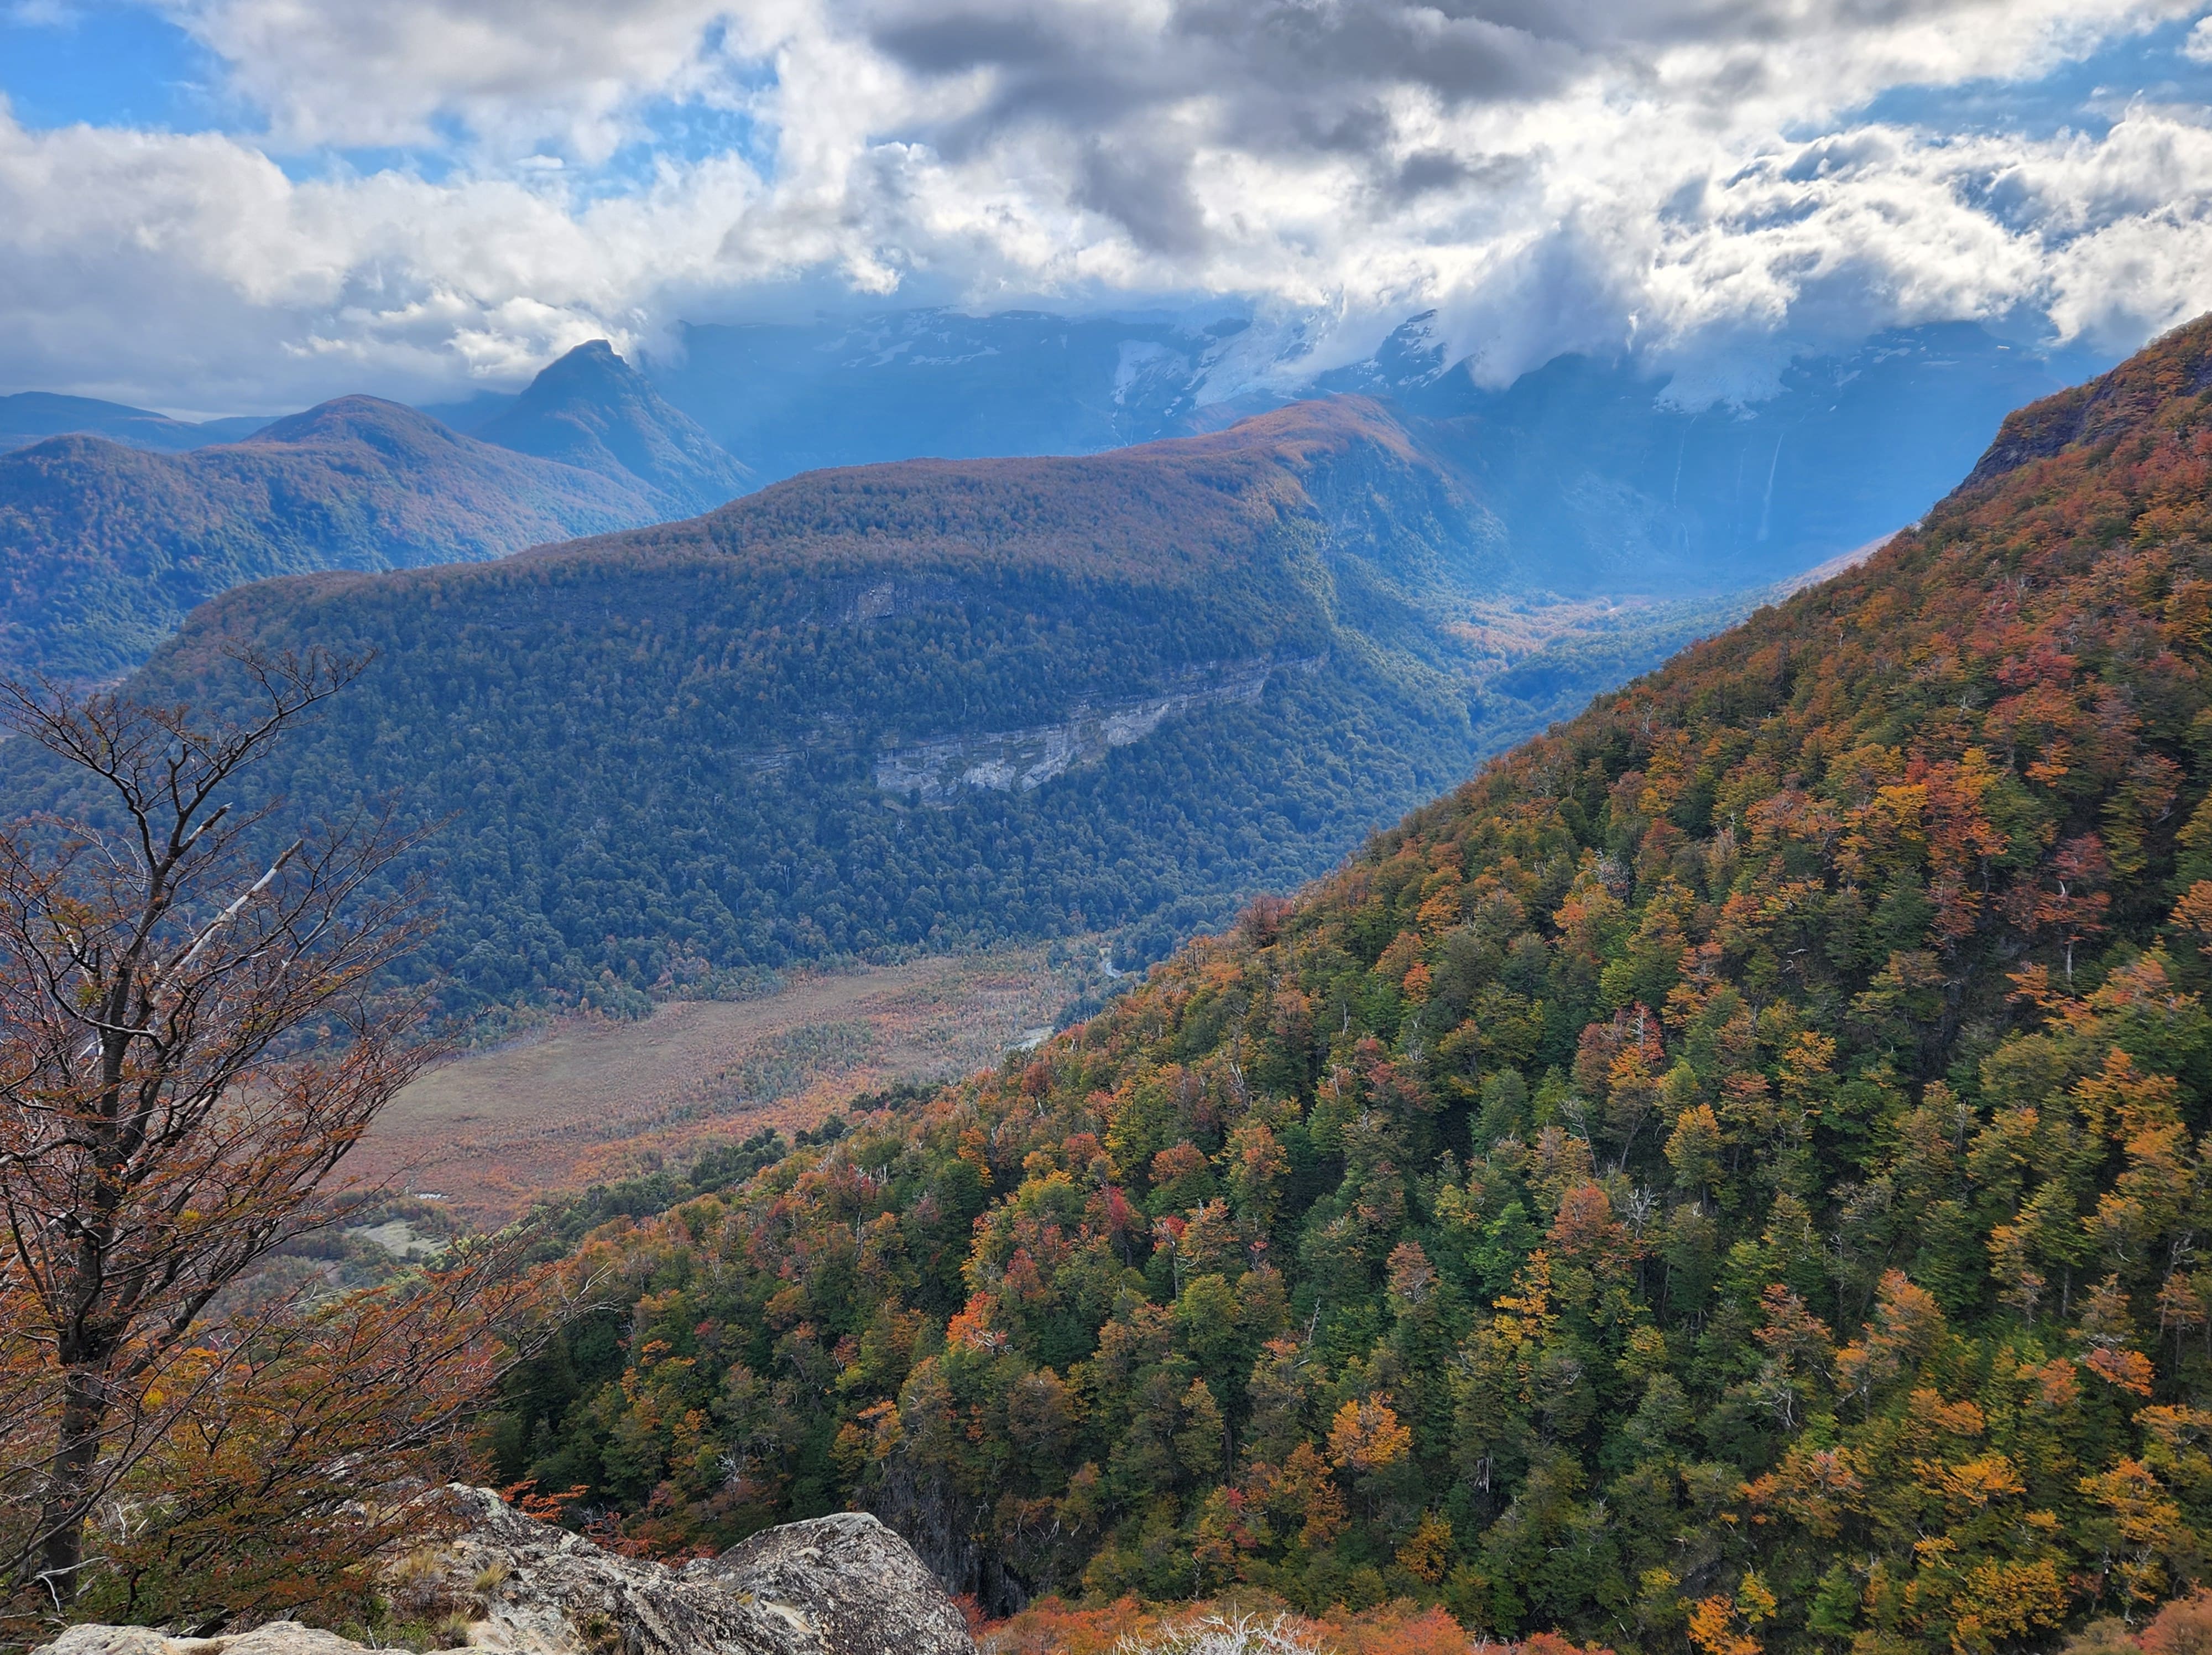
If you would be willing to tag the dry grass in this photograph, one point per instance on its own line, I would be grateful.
(590, 1099)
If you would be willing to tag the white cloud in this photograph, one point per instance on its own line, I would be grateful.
(1578, 174)
(512, 72)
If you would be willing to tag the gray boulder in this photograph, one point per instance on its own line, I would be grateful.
(855, 1582)
(275, 1638)
(836, 1586)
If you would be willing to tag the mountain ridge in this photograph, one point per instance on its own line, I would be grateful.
(28, 416)
(799, 726)
(104, 548)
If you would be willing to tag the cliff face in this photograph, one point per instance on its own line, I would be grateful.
(843, 1585)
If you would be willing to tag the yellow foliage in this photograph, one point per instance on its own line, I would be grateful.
(1365, 1436)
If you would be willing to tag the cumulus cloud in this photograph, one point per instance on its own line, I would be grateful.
(1684, 177)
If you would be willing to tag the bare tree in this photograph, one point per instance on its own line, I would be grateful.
(191, 1038)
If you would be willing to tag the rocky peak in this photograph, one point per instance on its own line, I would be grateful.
(593, 409)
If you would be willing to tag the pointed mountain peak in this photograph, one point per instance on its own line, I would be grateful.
(591, 364)
(592, 408)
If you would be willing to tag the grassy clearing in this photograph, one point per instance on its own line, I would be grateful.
(590, 1099)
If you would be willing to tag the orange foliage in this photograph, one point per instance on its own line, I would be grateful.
(2183, 1627)
(1365, 1436)
(1051, 1625)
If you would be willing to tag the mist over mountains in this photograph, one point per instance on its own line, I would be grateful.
(1597, 478)
(1584, 477)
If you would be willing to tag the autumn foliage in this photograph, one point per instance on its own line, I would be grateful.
(195, 1029)
(1729, 1176)
(1128, 1627)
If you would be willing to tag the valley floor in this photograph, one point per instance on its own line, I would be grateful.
(590, 1099)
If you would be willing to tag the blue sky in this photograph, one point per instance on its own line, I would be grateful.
(111, 65)
(245, 203)
(114, 64)
(2084, 94)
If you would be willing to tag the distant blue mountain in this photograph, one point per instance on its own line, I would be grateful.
(936, 384)
(1597, 482)
(31, 417)
(594, 410)
(1602, 483)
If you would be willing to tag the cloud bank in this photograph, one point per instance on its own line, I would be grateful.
(424, 194)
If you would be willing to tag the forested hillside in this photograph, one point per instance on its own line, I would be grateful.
(1729, 1175)
(104, 548)
(923, 705)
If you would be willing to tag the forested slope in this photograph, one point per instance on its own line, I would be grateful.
(1730, 1174)
(920, 705)
(104, 548)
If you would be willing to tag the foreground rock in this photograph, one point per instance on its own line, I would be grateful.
(860, 1587)
(836, 1586)
(277, 1638)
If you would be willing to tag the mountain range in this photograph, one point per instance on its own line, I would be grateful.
(104, 547)
(1590, 478)
(1726, 1175)
(925, 704)
(1601, 476)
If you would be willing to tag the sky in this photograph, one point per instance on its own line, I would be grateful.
(215, 206)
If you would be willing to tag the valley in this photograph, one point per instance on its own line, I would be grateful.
(579, 1101)
(1013, 827)
(939, 705)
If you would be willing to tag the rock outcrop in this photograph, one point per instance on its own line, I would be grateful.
(860, 1587)
(836, 1586)
(276, 1638)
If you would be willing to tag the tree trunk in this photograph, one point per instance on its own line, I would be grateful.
(61, 1516)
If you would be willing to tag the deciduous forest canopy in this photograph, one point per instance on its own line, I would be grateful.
(1731, 1172)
